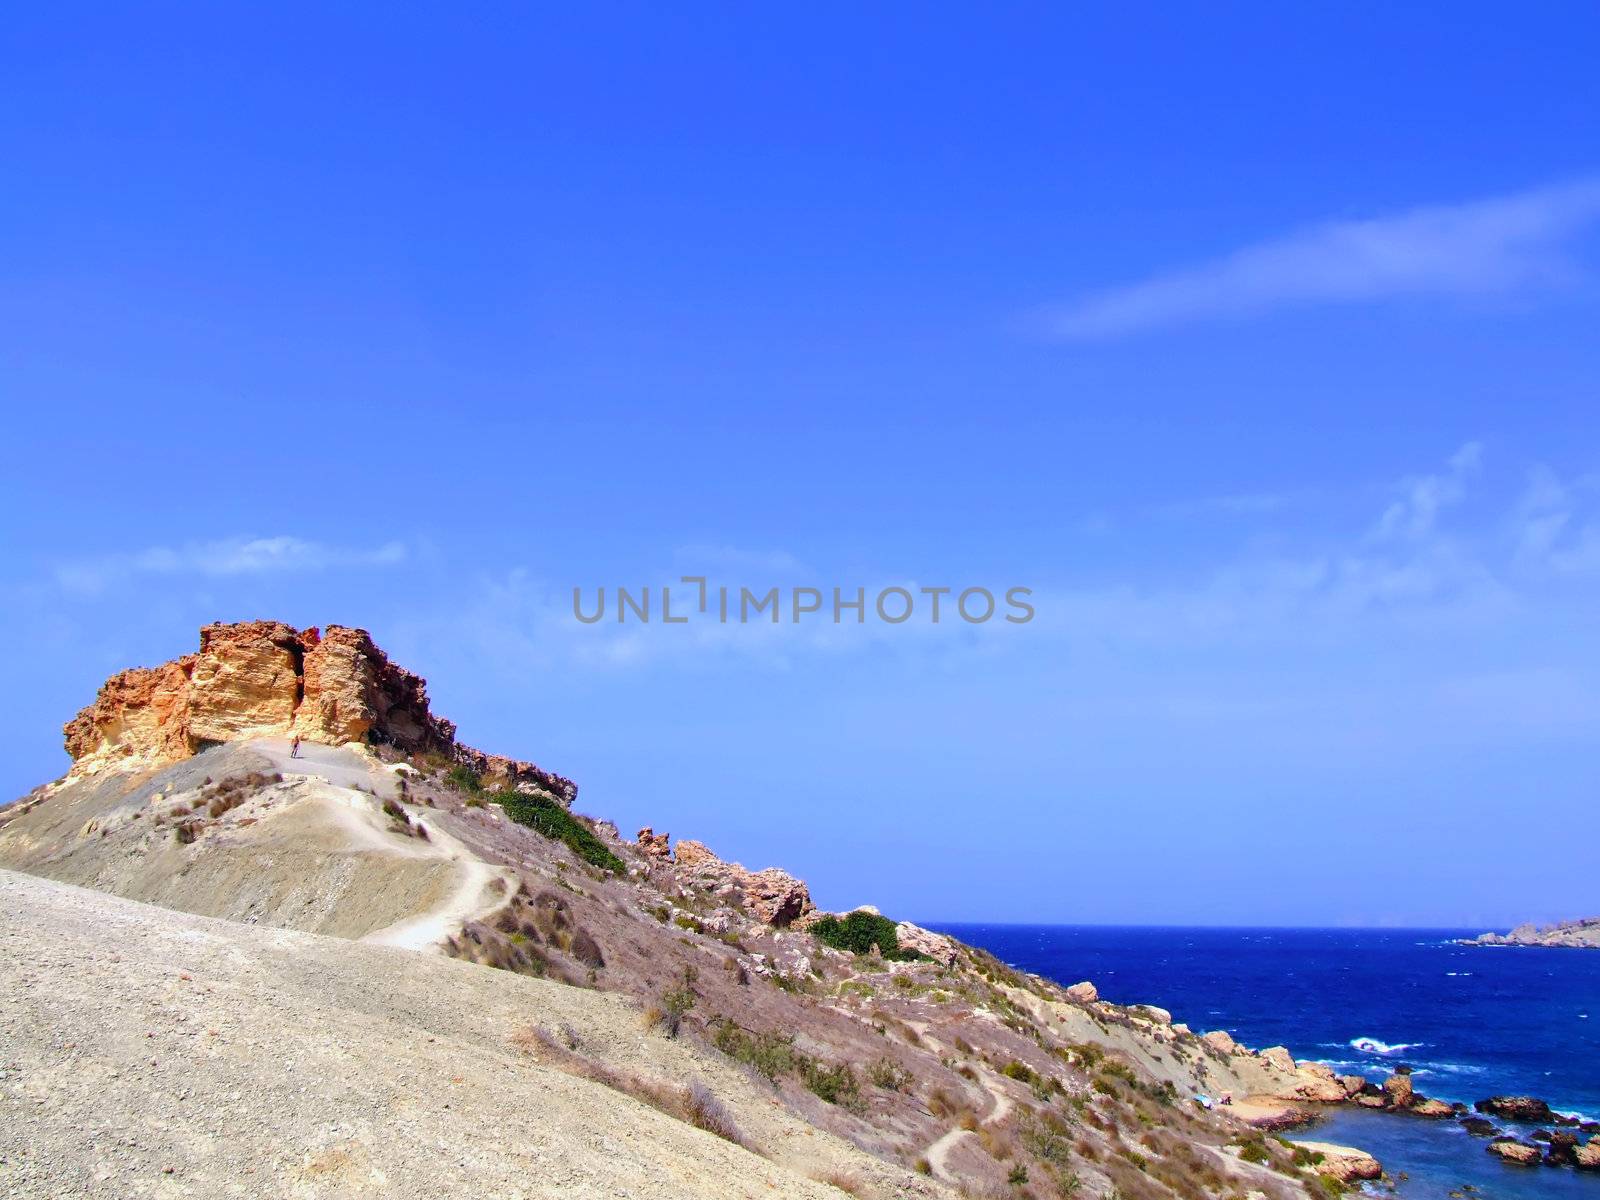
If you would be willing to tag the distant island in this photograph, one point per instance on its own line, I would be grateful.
(1581, 934)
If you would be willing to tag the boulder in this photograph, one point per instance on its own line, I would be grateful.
(1399, 1089)
(1563, 1149)
(1150, 1012)
(1587, 1156)
(1220, 1041)
(1345, 1164)
(1515, 1108)
(1352, 1084)
(1083, 993)
(924, 941)
(1279, 1058)
(1480, 1127)
(1510, 1150)
(1426, 1106)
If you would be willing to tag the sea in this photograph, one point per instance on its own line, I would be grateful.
(1471, 1021)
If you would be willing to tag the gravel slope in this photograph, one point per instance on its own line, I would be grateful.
(146, 1052)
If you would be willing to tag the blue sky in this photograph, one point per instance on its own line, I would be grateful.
(1257, 340)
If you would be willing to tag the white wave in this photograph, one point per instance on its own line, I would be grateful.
(1373, 1046)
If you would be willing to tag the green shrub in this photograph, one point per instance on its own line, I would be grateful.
(1020, 1071)
(545, 815)
(771, 1054)
(1254, 1152)
(889, 1075)
(464, 779)
(859, 932)
(836, 1085)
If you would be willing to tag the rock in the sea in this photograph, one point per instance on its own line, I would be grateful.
(1426, 1106)
(1515, 1108)
(1587, 1156)
(1083, 993)
(1512, 1151)
(1480, 1126)
(1562, 1152)
(1352, 1084)
(267, 679)
(924, 941)
(1399, 1089)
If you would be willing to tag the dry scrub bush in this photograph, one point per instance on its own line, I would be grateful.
(694, 1105)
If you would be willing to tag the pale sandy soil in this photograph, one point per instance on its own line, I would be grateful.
(145, 1052)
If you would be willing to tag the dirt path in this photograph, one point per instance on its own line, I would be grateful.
(938, 1154)
(471, 900)
(348, 781)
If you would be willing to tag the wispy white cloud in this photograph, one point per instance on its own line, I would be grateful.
(1485, 247)
(1416, 512)
(224, 557)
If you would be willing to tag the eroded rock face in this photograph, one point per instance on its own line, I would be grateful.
(1083, 993)
(265, 679)
(1220, 1041)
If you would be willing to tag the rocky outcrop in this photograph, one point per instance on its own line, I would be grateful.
(1582, 934)
(267, 679)
(1399, 1089)
(772, 896)
(1279, 1058)
(655, 845)
(1221, 1041)
(1150, 1012)
(1083, 993)
(924, 941)
(1345, 1164)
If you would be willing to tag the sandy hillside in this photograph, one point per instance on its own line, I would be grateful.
(155, 1053)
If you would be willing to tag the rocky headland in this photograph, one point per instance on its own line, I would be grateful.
(660, 1021)
(1582, 934)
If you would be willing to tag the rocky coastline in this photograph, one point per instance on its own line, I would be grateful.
(1582, 934)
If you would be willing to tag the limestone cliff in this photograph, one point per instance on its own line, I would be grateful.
(264, 679)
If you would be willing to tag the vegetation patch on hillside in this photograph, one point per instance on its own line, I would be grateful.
(546, 815)
(860, 931)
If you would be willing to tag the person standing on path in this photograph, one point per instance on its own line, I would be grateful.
(294, 746)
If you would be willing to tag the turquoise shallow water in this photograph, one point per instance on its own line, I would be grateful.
(1471, 1021)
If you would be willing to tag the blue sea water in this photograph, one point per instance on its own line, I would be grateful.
(1471, 1022)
